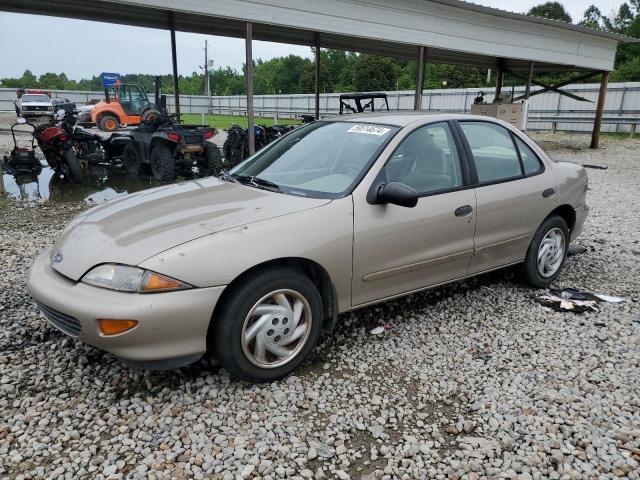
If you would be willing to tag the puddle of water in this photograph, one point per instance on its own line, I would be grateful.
(101, 184)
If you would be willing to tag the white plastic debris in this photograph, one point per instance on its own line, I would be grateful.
(377, 331)
(609, 298)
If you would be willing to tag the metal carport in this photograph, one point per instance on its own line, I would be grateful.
(438, 31)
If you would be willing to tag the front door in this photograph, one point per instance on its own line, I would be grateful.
(399, 249)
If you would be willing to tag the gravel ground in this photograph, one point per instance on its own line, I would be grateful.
(474, 380)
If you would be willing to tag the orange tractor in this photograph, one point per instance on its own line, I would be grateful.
(124, 104)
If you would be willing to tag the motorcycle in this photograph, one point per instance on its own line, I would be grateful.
(56, 143)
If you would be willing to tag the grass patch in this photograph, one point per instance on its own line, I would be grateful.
(223, 122)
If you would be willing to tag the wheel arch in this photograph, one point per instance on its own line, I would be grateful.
(313, 270)
(567, 213)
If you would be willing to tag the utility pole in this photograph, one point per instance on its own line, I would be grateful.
(206, 69)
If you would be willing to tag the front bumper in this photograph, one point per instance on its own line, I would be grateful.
(172, 326)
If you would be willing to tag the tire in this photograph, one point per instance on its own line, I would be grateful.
(73, 171)
(108, 123)
(210, 162)
(236, 315)
(131, 158)
(163, 165)
(148, 115)
(541, 274)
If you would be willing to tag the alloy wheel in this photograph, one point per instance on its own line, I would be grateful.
(551, 252)
(276, 328)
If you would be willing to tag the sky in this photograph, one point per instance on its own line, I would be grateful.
(98, 47)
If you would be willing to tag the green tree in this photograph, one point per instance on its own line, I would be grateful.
(551, 10)
(374, 73)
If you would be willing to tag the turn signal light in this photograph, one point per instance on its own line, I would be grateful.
(154, 282)
(113, 327)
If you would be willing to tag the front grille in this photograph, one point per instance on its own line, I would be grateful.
(34, 109)
(69, 325)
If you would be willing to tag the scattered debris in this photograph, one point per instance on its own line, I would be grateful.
(609, 298)
(636, 319)
(575, 249)
(382, 328)
(568, 299)
(597, 167)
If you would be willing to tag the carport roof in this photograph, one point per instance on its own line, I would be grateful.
(454, 31)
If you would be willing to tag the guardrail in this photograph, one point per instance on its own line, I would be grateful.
(633, 121)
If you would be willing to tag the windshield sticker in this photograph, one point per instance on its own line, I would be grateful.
(369, 130)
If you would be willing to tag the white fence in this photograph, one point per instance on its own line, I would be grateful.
(623, 99)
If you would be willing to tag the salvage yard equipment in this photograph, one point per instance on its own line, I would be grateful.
(359, 104)
(22, 159)
(124, 104)
(164, 144)
(57, 146)
(235, 147)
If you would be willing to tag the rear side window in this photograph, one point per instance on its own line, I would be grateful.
(494, 153)
(530, 160)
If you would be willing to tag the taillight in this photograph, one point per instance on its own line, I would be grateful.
(174, 136)
(209, 133)
(63, 138)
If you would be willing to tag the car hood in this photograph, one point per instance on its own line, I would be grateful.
(130, 229)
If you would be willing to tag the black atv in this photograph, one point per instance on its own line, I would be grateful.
(165, 145)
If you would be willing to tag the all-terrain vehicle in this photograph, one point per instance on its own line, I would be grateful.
(22, 159)
(363, 102)
(165, 146)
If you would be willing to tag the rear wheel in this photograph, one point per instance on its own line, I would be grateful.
(148, 115)
(131, 158)
(267, 325)
(71, 167)
(163, 165)
(108, 123)
(210, 162)
(547, 253)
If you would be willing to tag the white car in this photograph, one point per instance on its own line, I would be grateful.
(34, 105)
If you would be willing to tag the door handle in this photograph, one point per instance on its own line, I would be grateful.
(464, 210)
(549, 192)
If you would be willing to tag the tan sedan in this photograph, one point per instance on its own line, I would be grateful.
(338, 214)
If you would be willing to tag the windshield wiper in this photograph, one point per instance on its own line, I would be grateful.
(227, 177)
(258, 182)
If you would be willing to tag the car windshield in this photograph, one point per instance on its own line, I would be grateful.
(36, 98)
(322, 160)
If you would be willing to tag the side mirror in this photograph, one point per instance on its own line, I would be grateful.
(397, 193)
(21, 120)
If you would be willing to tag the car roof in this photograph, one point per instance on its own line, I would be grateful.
(402, 119)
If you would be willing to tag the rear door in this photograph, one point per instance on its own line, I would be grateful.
(398, 249)
(514, 192)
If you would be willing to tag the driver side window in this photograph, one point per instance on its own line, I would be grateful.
(427, 160)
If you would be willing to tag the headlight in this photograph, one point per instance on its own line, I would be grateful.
(131, 279)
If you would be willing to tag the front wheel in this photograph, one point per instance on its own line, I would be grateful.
(71, 167)
(108, 123)
(163, 165)
(547, 253)
(267, 325)
(131, 158)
